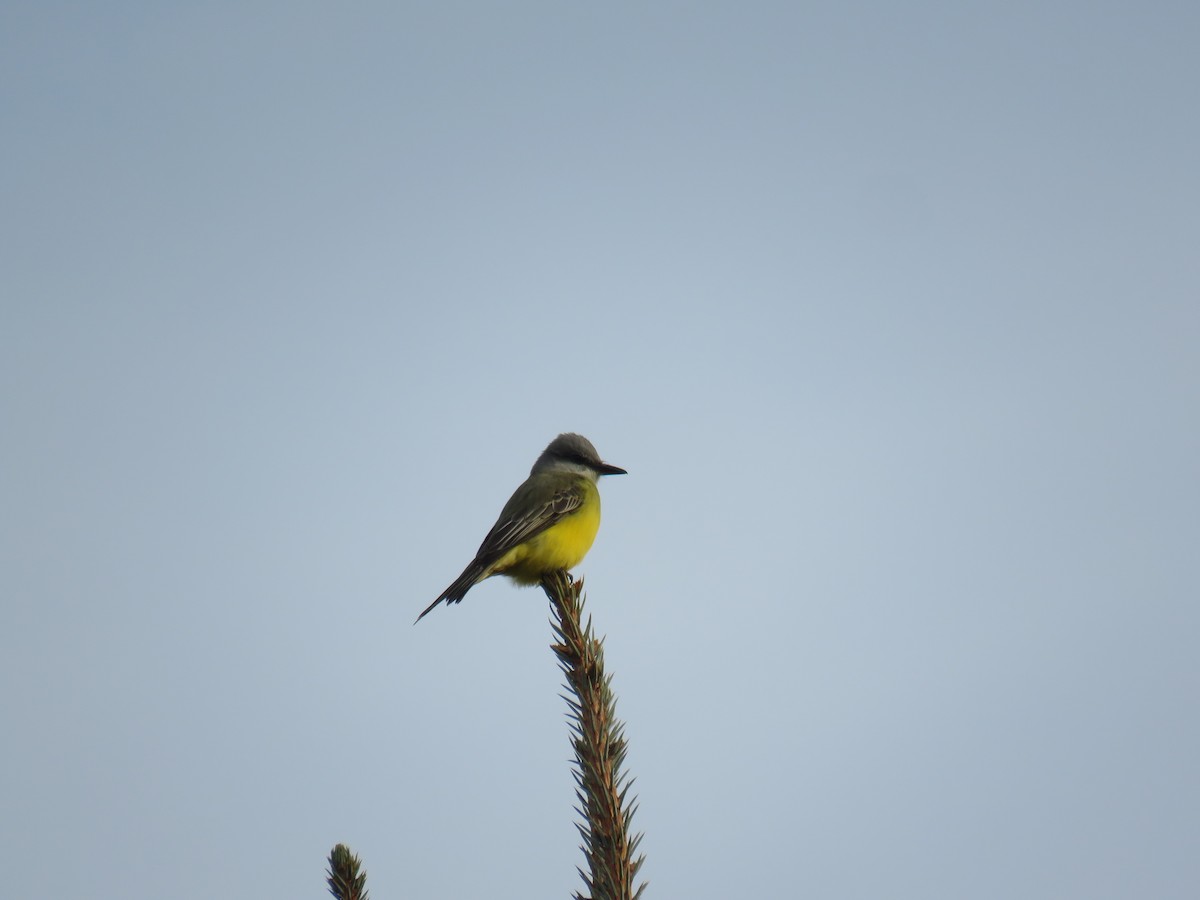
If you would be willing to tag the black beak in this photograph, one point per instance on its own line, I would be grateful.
(606, 469)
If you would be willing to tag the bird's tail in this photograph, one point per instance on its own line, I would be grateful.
(471, 576)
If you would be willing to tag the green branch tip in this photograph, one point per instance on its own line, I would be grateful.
(598, 738)
(345, 880)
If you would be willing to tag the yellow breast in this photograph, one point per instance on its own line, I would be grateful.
(561, 546)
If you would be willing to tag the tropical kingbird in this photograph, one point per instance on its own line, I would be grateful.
(548, 523)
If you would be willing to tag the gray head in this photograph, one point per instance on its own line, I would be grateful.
(573, 453)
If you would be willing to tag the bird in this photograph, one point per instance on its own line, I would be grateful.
(549, 522)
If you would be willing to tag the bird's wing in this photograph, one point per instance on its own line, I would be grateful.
(520, 520)
(514, 527)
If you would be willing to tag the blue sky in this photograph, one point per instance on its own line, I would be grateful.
(891, 311)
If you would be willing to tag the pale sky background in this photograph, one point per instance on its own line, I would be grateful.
(892, 311)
